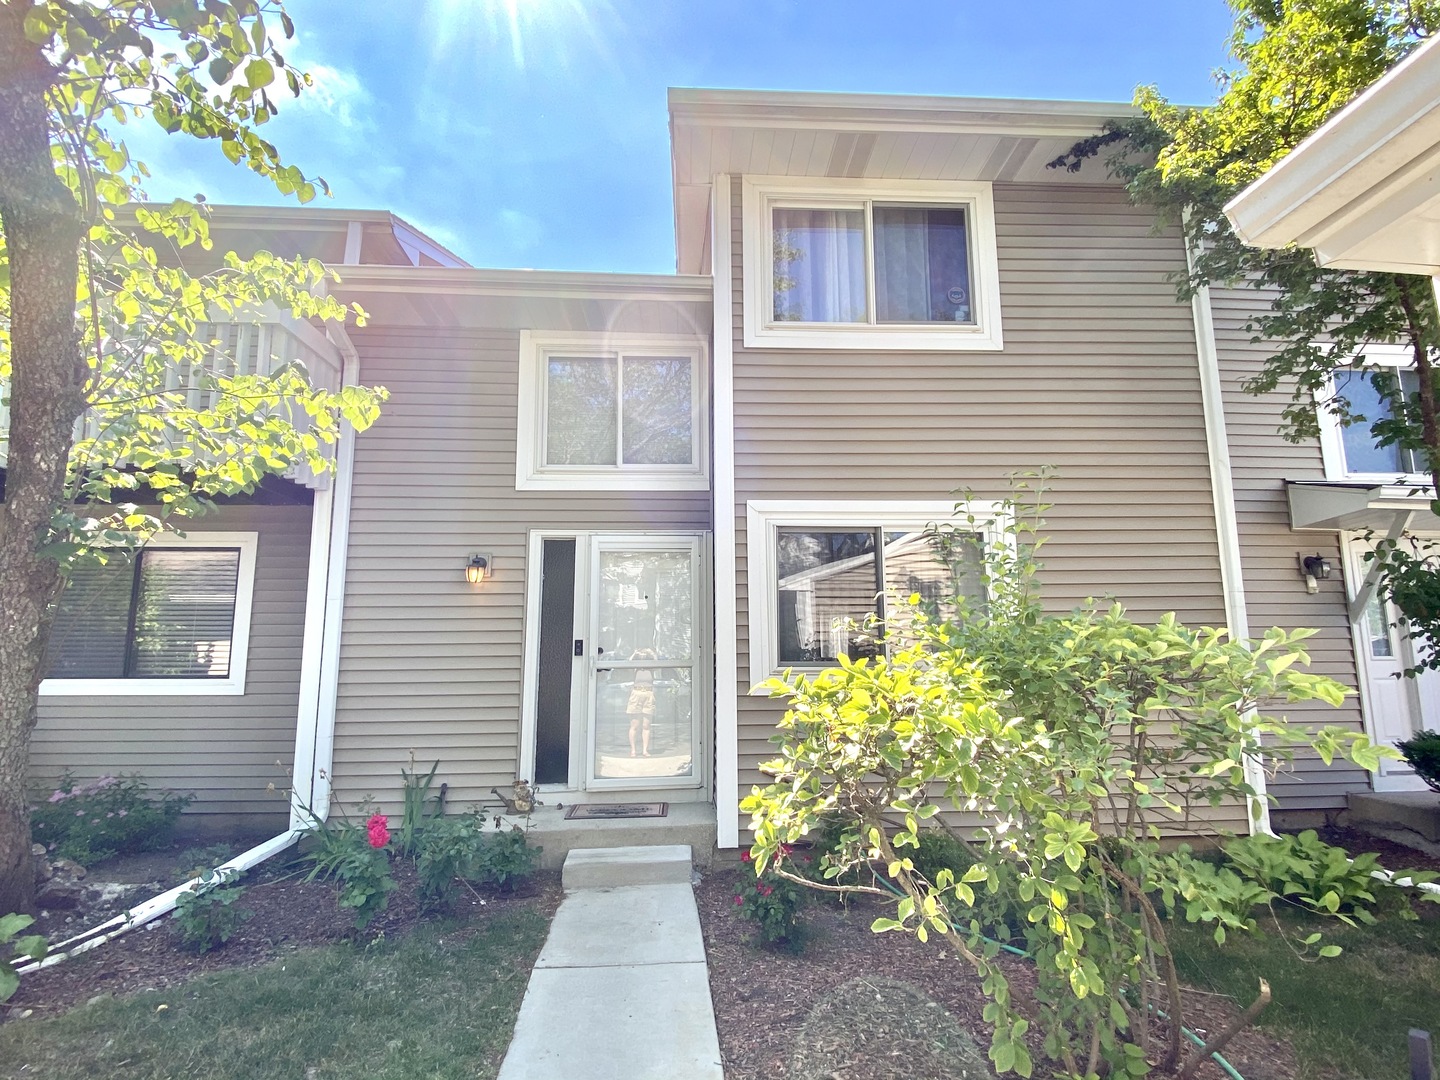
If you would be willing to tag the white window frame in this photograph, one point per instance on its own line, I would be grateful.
(764, 519)
(761, 194)
(247, 543)
(531, 472)
(1332, 445)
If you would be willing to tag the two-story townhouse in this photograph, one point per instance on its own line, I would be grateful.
(599, 508)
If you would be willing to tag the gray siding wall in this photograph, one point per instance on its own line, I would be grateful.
(1262, 461)
(428, 662)
(224, 749)
(1098, 377)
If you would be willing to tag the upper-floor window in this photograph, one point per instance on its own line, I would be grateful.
(608, 411)
(846, 264)
(171, 618)
(1352, 451)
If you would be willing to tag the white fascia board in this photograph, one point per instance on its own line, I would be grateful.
(1345, 166)
(560, 284)
(889, 112)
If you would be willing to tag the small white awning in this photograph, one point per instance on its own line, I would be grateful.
(1325, 506)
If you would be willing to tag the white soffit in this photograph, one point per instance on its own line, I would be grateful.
(1364, 190)
(876, 136)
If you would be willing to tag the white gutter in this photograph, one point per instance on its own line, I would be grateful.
(727, 707)
(1227, 529)
(319, 684)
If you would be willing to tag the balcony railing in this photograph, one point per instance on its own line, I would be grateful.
(257, 346)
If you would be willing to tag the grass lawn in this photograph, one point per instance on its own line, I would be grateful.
(439, 1002)
(1347, 1017)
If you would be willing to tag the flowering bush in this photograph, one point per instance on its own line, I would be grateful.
(772, 903)
(358, 858)
(111, 815)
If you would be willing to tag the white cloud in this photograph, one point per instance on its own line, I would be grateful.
(520, 230)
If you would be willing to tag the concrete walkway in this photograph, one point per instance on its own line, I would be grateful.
(620, 991)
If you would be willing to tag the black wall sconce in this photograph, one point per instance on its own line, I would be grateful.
(478, 569)
(1314, 569)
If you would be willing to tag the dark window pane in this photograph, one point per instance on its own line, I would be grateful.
(581, 406)
(922, 265)
(91, 618)
(184, 614)
(656, 422)
(825, 578)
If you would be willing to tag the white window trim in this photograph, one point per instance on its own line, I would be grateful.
(763, 519)
(248, 544)
(760, 193)
(1332, 445)
(531, 473)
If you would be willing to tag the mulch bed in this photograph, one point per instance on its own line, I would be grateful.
(289, 914)
(764, 1000)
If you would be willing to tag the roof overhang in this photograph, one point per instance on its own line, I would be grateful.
(877, 136)
(1364, 190)
(1325, 506)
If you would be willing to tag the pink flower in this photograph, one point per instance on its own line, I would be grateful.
(121, 813)
(739, 900)
(764, 890)
(744, 856)
(378, 830)
(58, 796)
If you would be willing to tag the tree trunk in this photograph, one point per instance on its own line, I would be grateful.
(43, 226)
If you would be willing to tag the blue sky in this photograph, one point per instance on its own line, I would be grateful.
(534, 132)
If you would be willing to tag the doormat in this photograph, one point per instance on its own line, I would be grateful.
(617, 810)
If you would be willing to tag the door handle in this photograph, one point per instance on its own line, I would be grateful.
(602, 670)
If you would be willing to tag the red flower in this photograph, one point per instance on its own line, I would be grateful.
(739, 899)
(764, 890)
(744, 856)
(378, 830)
(786, 849)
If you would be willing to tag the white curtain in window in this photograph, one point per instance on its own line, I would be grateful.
(819, 265)
(902, 264)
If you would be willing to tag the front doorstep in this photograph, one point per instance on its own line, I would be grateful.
(1418, 811)
(686, 823)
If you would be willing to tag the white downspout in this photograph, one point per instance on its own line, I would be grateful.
(319, 684)
(727, 726)
(1227, 529)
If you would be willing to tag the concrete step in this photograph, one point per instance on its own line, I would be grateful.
(686, 823)
(615, 867)
(1418, 811)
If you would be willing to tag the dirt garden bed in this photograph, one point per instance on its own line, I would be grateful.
(855, 1005)
(288, 914)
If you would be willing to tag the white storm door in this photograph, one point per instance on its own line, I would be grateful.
(645, 644)
(1393, 702)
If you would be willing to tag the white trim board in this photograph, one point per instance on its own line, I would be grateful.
(247, 543)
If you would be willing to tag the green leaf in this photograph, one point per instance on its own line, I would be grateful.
(259, 72)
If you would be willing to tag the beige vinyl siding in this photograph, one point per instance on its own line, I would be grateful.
(1261, 462)
(1098, 377)
(429, 662)
(224, 749)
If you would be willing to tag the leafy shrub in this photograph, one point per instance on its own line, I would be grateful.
(359, 859)
(1304, 870)
(30, 947)
(773, 904)
(1422, 751)
(448, 850)
(1056, 731)
(207, 913)
(415, 799)
(111, 815)
(507, 858)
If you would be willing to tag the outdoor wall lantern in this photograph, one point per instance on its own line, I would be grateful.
(477, 569)
(1314, 569)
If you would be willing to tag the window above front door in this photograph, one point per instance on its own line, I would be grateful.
(613, 412)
